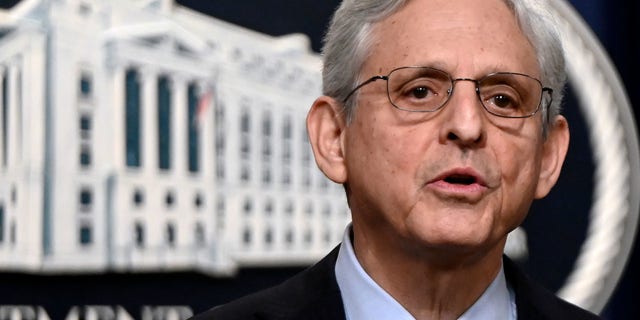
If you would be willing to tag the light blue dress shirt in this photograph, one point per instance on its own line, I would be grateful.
(364, 299)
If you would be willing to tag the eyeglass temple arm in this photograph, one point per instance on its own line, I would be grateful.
(550, 91)
(372, 79)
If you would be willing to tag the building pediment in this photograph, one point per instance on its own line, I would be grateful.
(158, 34)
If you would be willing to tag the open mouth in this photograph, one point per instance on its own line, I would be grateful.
(460, 183)
(460, 179)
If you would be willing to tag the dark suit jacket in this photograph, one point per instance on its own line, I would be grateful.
(314, 295)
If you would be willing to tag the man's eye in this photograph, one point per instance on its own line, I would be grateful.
(420, 92)
(502, 101)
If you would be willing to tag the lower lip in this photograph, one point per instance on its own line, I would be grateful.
(459, 190)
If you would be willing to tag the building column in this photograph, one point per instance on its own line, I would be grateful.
(14, 117)
(149, 114)
(119, 105)
(180, 146)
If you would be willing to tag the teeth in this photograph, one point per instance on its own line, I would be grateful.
(460, 179)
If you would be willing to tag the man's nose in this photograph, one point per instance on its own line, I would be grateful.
(463, 116)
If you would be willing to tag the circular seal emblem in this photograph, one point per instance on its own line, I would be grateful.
(612, 137)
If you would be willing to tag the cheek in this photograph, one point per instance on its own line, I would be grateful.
(383, 163)
(520, 166)
(389, 150)
(402, 151)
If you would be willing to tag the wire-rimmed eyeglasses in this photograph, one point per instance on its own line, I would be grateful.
(426, 89)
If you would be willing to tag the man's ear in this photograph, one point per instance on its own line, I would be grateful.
(326, 127)
(554, 151)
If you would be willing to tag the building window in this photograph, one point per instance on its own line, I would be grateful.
(86, 199)
(220, 140)
(220, 168)
(169, 199)
(286, 176)
(171, 235)
(288, 238)
(236, 54)
(219, 113)
(139, 235)
(324, 183)
(14, 195)
(245, 173)
(268, 208)
(193, 136)
(286, 152)
(288, 209)
(85, 127)
(246, 236)
(200, 235)
(306, 178)
(220, 208)
(268, 237)
(266, 124)
(245, 135)
(86, 85)
(306, 149)
(286, 128)
(164, 123)
(198, 201)
(220, 143)
(85, 155)
(327, 237)
(5, 117)
(248, 207)
(266, 136)
(138, 198)
(309, 209)
(266, 149)
(84, 8)
(220, 129)
(266, 175)
(1, 223)
(132, 118)
(12, 232)
(286, 140)
(308, 237)
(326, 210)
(86, 236)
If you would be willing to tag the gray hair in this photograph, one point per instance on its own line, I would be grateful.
(349, 38)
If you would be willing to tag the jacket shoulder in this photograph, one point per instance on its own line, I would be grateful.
(311, 294)
(533, 301)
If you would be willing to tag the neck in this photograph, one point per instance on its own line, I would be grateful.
(431, 285)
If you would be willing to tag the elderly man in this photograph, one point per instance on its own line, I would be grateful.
(440, 118)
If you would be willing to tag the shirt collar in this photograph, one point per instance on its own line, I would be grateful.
(363, 298)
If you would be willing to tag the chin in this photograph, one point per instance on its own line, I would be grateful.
(456, 241)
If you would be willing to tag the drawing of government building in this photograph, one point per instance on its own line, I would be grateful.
(145, 136)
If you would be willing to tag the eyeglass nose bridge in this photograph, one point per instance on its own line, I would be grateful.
(453, 84)
(454, 81)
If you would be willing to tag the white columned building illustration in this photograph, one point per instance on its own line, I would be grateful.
(144, 136)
